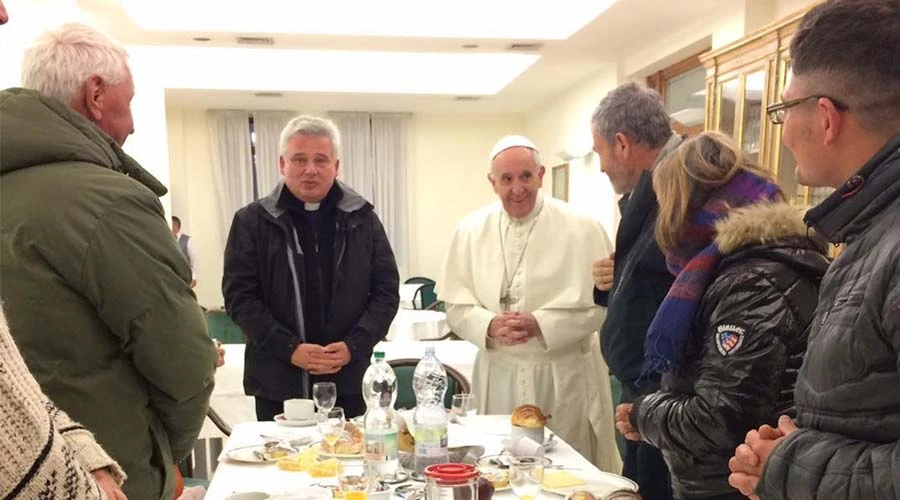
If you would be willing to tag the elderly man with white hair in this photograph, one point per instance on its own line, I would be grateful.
(96, 291)
(517, 283)
(310, 277)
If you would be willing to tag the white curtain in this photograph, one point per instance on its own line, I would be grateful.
(357, 166)
(389, 132)
(373, 162)
(268, 126)
(229, 136)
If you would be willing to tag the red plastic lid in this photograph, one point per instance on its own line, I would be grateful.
(451, 473)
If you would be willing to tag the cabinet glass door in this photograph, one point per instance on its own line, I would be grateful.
(728, 106)
(752, 113)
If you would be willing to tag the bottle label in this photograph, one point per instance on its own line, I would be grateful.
(431, 441)
(381, 447)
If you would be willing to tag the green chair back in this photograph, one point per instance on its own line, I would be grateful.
(223, 329)
(406, 397)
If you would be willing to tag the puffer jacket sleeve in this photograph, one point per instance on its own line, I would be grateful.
(242, 290)
(811, 464)
(139, 282)
(737, 384)
(384, 296)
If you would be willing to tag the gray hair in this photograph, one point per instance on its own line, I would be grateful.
(312, 126)
(60, 61)
(637, 112)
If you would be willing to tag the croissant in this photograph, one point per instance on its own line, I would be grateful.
(529, 416)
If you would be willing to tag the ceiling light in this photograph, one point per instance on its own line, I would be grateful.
(472, 19)
(262, 70)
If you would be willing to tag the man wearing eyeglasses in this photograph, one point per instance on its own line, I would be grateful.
(840, 118)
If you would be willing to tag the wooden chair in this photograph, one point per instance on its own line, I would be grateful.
(406, 397)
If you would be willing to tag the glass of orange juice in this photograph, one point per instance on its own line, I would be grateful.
(355, 481)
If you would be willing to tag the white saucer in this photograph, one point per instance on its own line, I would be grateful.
(281, 420)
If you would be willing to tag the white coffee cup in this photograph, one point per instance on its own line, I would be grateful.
(299, 409)
(536, 434)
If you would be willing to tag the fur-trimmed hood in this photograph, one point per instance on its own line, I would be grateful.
(760, 223)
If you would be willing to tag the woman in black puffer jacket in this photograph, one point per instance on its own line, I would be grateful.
(731, 334)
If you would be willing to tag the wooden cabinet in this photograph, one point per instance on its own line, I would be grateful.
(742, 79)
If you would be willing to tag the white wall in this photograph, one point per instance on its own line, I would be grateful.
(562, 125)
(448, 179)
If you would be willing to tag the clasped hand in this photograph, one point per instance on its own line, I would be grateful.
(750, 457)
(513, 328)
(321, 360)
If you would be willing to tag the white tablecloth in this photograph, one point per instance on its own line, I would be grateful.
(412, 324)
(487, 431)
(408, 294)
(229, 400)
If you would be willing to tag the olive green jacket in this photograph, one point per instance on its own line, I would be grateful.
(96, 291)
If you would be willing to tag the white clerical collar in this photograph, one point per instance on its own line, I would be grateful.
(538, 205)
(311, 207)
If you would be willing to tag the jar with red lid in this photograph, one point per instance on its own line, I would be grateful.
(452, 482)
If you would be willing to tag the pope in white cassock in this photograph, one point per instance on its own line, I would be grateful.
(517, 283)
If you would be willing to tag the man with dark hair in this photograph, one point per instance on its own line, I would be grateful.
(632, 134)
(186, 245)
(841, 120)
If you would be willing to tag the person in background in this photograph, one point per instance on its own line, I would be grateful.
(97, 294)
(309, 277)
(186, 245)
(731, 333)
(526, 301)
(840, 116)
(632, 135)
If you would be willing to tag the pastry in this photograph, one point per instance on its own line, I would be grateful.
(352, 442)
(529, 416)
(582, 495)
(405, 440)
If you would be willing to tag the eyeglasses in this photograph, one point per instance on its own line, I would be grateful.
(778, 111)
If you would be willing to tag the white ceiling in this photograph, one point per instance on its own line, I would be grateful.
(625, 28)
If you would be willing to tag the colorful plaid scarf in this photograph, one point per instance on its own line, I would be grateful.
(694, 263)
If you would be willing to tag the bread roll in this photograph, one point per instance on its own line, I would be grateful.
(529, 416)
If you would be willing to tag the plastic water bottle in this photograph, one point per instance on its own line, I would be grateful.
(430, 417)
(381, 424)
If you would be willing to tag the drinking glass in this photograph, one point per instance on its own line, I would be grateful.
(324, 395)
(355, 481)
(463, 407)
(526, 475)
(331, 425)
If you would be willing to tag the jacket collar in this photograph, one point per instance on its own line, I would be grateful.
(72, 137)
(350, 202)
(759, 223)
(859, 201)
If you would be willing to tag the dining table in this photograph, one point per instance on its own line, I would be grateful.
(235, 476)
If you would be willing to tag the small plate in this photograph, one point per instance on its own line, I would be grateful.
(254, 455)
(600, 485)
(326, 454)
(280, 419)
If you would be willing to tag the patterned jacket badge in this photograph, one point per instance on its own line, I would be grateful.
(729, 339)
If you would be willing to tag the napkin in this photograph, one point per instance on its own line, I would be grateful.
(523, 446)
